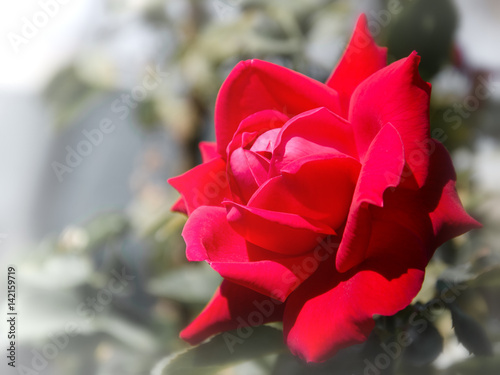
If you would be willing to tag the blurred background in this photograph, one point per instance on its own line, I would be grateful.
(102, 101)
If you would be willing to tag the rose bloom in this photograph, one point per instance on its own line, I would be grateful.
(320, 204)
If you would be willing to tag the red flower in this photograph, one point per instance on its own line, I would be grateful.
(320, 204)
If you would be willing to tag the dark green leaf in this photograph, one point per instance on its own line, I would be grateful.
(287, 364)
(426, 26)
(426, 344)
(470, 333)
(453, 276)
(474, 366)
(224, 350)
(488, 279)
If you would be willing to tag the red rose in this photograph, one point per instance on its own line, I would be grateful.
(320, 204)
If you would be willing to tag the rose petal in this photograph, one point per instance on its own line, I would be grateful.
(255, 125)
(208, 151)
(318, 187)
(318, 131)
(434, 213)
(209, 237)
(279, 232)
(275, 278)
(265, 143)
(382, 169)
(331, 311)
(247, 170)
(204, 185)
(449, 218)
(255, 85)
(397, 95)
(262, 121)
(179, 206)
(360, 60)
(232, 307)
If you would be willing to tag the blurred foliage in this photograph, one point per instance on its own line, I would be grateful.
(221, 352)
(426, 26)
(197, 43)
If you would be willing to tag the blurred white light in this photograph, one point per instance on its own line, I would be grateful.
(478, 34)
(38, 37)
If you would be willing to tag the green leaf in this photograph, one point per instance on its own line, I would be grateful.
(426, 26)
(474, 366)
(189, 284)
(488, 279)
(223, 350)
(470, 333)
(455, 275)
(426, 345)
(288, 364)
(106, 226)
